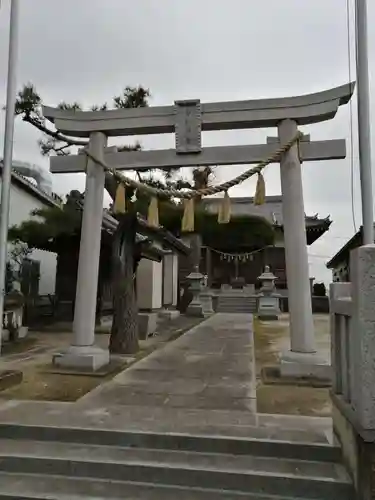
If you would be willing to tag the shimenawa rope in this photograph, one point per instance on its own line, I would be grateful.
(196, 192)
(188, 196)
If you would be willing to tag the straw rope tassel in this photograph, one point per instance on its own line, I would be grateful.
(224, 210)
(119, 206)
(153, 212)
(187, 224)
(260, 191)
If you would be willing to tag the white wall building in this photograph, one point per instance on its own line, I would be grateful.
(157, 283)
(25, 197)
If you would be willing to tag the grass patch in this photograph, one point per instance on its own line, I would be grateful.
(276, 396)
(293, 400)
(18, 346)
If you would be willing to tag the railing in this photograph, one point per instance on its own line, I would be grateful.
(352, 309)
(341, 309)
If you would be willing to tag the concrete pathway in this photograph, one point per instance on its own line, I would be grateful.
(210, 367)
(201, 383)
(203, 379)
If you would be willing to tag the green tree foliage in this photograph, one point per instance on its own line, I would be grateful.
(18, 253)
(319, 290)
(241, 232)
(132, 97)
(45, 226)
(48, 224)
(29, 108)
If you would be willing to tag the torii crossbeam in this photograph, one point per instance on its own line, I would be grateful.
(220, 155)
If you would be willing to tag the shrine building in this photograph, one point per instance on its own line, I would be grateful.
(231, 262)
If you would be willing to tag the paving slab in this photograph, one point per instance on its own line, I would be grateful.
(171, 458)
(202, 371)
(203, 383)
(202, 380)
(16, 486)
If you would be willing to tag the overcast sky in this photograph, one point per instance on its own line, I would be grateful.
(88, 50)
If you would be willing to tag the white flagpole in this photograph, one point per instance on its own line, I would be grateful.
(364, 128)
(8, 149)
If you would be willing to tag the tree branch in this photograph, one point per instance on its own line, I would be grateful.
(53, 133)
(28, 106)
(110, 184)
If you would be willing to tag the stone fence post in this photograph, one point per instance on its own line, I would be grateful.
(362, 266)
(340, 297)
(353, 359)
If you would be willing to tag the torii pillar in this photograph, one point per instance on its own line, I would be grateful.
(301, 359)
(83, 354)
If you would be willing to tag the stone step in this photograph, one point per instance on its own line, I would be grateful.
(42, 487)
(236, 300)
(236, 306)
(242, 473)
(245, 300)
(236, 303)
(267, 441)
(239, 311)
(237, 295)
(231, 298)
(245, 307)
(236, 310)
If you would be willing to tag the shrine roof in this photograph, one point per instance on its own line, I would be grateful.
(28, 186)
(145, 232)
(148, 233)
(344, 253)
(165, 237)
(157, 241)
(271, 210)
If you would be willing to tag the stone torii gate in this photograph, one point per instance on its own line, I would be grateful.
(187, 119)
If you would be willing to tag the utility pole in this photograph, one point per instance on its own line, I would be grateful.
(8, 150)
(364, 128)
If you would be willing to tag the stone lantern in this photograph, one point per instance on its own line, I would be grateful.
(205, 297)
(195, 307)
(268, 299)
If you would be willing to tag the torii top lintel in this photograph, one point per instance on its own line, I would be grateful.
(260, 113)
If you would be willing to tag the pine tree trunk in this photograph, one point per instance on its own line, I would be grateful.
(196, 251)
(196, 238)
(124, 333)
